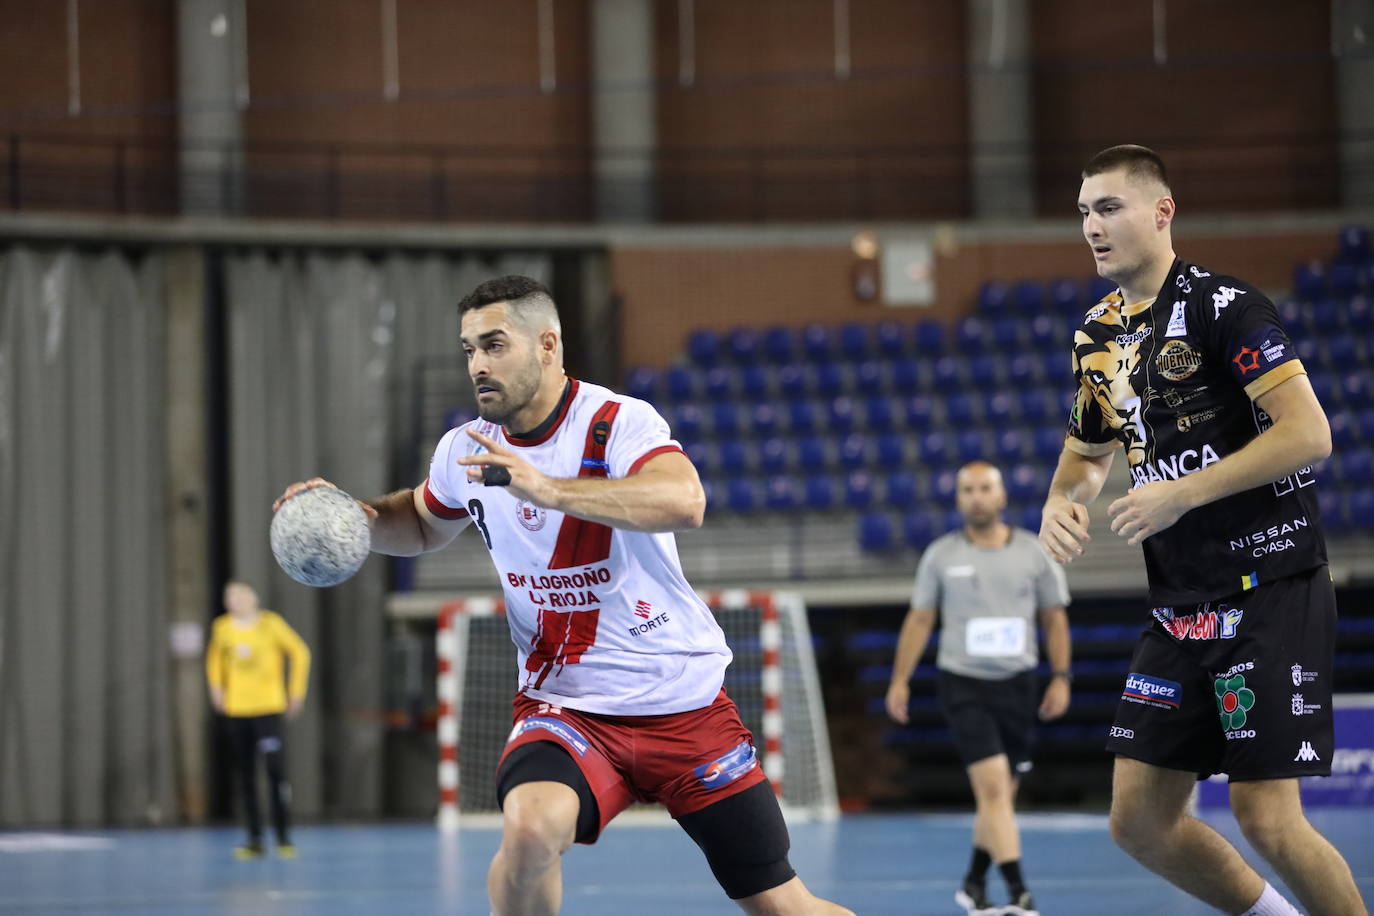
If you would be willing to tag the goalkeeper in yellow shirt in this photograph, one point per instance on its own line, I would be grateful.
(246, 668)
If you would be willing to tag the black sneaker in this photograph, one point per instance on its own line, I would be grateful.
(1023, 905)
(973, 897)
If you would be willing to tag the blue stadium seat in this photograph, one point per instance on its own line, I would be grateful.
(689, 422)
(1362, 509)
(1359, 314)
(753, 382)
(917, 529)
(826, 379)
(701, 455)
(801, 417)
(948, 374)
(986, 372)
(1036, 404)
(839, 413)
(1048, 442)
(1344, 278)
(681, 383)
(1356, 467)
(875, 532)
(891, 451)
(960, 410)
(1364, 420)
(813, 454)
(772, 455)
(889, 339)
(1343, 351)
(780, 344)
(1294, 316)
(725, 419)
(971, 335)
(879, 416)
(854, 451)
(719, 383)
(1096, 289)
(1354, 244)
(642, 383)
(1047, 333)
(929, 337)
(764, 419)
(734, 457)
(1325, 474)
(868, 377)
(1026, 483)
(1010, 445)
(712, 493)
(1327, 315)
(943, 485)
(1355, 389)
(953, 520)
(969, 445)
(781, 494)
(858, 490)
(1058, 366)
(1309, 280)
(703, 346)
(932, 449)
(1028, 298)
(1024, 370)
(999, 408)
(820, 492)
(994, 298)
(743, 345)
(1344, 433)
(741, 495)
(1324, 385)
(1066, 297)
(1310, 352)
(899, 489)
(906, 376)
(457, 416)
(853, 340)
(1007, 332)
(919, 411)
(815, 341)
(1029, 517)
(792, 382)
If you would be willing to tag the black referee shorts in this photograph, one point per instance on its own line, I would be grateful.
(990, 717)
(1240, 686)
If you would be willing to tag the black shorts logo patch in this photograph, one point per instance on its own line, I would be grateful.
(1234, 700)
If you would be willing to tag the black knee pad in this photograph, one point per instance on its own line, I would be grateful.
(545, 761)
(745, 841)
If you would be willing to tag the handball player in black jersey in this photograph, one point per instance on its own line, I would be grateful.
(1191, 373)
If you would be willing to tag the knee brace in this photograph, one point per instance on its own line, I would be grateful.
(744, 838)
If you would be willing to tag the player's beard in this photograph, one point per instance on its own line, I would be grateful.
(511, 396)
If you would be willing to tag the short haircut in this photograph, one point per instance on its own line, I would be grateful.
(530, 302)
(1139, 162)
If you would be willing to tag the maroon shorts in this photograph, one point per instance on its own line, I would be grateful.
(685, 761)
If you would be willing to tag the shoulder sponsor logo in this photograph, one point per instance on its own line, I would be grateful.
(1188, 461)
(1234, 702)
(1119, 732)
(1223, 297)
(1177, 360)
(729, 767)
(1247, 360)
(1133, 338)
(1152, 691)
(1272, 352)
(1273, 539)
(1303, 708)
(1306, 753)
(1178, 321)
(1096, 312)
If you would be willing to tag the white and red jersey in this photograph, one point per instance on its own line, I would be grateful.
(603, 618)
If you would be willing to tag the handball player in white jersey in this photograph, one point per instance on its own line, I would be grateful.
(576, 491)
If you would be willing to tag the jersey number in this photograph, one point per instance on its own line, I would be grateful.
(479, 517)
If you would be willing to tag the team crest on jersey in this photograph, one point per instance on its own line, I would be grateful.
(532, 517)
(1177, 360)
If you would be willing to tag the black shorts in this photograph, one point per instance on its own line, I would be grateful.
(990, 717)
(1240, 686)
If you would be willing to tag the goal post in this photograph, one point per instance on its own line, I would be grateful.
(772, 679)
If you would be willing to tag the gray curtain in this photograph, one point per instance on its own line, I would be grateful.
(85, 724)
(323, 349)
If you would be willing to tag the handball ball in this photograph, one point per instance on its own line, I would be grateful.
(320, 536)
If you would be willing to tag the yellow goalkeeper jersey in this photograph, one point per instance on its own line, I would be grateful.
(248, 661)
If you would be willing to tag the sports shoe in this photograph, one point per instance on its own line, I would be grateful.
(1023, 905)
(248, 851)
(286, 851)
(973, 897)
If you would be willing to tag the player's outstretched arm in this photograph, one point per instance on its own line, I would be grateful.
(1064, 520)
(665, 495)
(402, 526)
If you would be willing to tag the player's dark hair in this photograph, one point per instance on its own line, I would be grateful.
(1139, 162)
(511, 288)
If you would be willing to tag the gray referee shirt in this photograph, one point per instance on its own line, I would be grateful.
(988, 598)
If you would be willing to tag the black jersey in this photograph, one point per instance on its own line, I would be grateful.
(1174, 381)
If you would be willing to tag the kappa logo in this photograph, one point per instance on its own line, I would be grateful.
(1306, 753)
(1133, 338)
(1223, 297)
(1119, 732)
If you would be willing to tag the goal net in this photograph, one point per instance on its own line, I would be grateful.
(772, 680)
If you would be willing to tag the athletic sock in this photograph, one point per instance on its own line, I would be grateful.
(1271, 903)
(1011, 873)
(978, 866)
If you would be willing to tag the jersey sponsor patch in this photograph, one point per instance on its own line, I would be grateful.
(1177, 360)
(557, 727)
(1259, 351)
(1178, 321)
(1234, 702)
(1152, 691)
(729, 767)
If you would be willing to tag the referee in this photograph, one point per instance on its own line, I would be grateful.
(987, 582)
(245, 667)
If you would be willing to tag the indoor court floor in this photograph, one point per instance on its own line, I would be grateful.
(875, 864)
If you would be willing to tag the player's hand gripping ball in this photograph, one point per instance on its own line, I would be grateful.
(320, 536)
